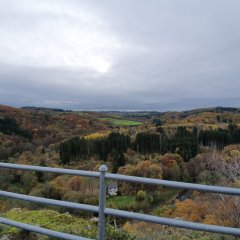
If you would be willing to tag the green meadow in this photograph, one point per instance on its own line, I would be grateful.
(121, 122)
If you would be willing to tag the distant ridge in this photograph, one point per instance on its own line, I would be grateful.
(218, 109)
(45, 109)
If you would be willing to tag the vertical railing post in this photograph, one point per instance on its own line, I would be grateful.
(102, 202)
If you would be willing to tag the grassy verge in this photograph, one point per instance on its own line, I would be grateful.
(55, 221)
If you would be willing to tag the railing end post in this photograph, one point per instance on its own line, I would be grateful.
(102, 202)
(103, 168)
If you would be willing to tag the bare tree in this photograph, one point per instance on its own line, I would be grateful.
(225, 170)
(224, 208)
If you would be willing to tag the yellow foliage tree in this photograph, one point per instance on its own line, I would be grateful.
(190, 210)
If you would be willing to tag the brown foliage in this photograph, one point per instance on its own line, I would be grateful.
(142, 169)
(75, 183)
(190, 210)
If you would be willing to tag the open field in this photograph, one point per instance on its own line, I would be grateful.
(121, 122)
(121, 202)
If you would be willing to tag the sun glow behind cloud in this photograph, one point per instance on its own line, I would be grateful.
(99, 64)
(68, 36)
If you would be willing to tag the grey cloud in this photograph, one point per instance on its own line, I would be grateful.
(151, 55)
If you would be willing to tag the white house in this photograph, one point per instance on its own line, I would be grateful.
(112, 189)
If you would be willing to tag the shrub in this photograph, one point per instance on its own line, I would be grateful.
(141, 195)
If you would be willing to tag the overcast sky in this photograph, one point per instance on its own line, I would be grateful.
(120, 55)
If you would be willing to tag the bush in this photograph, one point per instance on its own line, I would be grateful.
(141, 195)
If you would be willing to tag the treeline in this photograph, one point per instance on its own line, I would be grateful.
(80, 148)
(220, 138)
(184, 142)
(9, 126)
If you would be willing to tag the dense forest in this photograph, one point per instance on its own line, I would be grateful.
(9, 126)
(184, 142)
(79, 148)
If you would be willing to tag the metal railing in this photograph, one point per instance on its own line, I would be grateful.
(103, 211)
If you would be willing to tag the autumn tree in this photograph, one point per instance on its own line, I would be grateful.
(173, 167)
(75, 183)
(227, 171)
(190, 210)
(142, 169)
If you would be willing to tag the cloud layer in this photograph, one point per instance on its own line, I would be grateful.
(122, 55)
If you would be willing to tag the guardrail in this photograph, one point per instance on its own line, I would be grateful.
(103, 211)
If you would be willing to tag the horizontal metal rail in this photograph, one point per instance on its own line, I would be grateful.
(174, 184)
(40, 230)
(50, 170)
(126, 178)
(173, 222)
(126, 214)
(53, 202)
(115, 212)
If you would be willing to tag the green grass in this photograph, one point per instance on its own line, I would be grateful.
(121, 122)
(51, 220)
(166, 195)
(121, 202)
(59, 222)
(82, 114)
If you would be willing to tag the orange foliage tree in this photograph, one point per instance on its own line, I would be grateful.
(190, 210)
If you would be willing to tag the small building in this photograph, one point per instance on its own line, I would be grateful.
(112, 189)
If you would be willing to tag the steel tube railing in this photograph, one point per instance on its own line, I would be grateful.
(165, 183)
(126, 214)
(102, 211)
(50, 170)
(173, 222)
(102, 202)
(174, 184)
(40, 230)
(52, 202)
